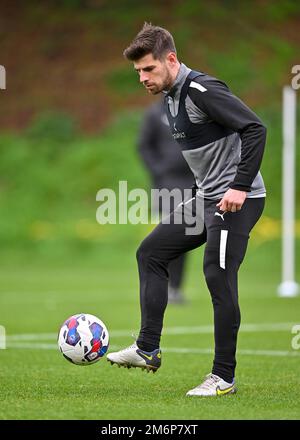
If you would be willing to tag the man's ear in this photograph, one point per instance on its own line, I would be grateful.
(171, 58)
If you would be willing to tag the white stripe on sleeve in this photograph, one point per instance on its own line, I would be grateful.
(195, 85)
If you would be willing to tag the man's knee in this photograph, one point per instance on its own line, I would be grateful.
(212, 270)
(221, 278)
(149, 259)
(226, 255)
(140, 254)
(144, 250)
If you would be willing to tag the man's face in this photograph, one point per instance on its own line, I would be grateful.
(155, 74)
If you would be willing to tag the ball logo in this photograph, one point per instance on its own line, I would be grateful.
(93, 355)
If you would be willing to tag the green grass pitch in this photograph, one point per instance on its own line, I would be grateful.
(38, 383)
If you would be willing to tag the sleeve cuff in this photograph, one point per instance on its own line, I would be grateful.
(240, 187)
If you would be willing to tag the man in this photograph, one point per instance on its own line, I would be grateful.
(162, 156)
(223, 143)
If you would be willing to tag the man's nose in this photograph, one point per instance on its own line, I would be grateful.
(143, 77)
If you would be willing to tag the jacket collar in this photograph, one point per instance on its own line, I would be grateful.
(179, 81)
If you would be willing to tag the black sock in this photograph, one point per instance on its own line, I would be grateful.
(146, 347)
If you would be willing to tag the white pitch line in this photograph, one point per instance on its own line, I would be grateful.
(42, 346)
(204, 329)
(32, 337)
(241, 351)
(176, 350)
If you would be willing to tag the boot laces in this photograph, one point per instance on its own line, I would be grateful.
(211, 379)
(131, 347)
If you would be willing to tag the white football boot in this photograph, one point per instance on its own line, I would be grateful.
(213, 385)
(133, 356)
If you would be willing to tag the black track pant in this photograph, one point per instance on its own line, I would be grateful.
(226, 239)
(176, 271)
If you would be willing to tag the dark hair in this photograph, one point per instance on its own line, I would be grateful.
(151, 39)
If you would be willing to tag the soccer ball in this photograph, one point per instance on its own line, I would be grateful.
(83, 339)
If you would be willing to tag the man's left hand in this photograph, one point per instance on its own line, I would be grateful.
(232, 200)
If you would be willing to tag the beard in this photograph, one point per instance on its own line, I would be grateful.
(165, 85)
(168, 81)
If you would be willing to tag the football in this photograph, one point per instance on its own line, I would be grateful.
(83, 339)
